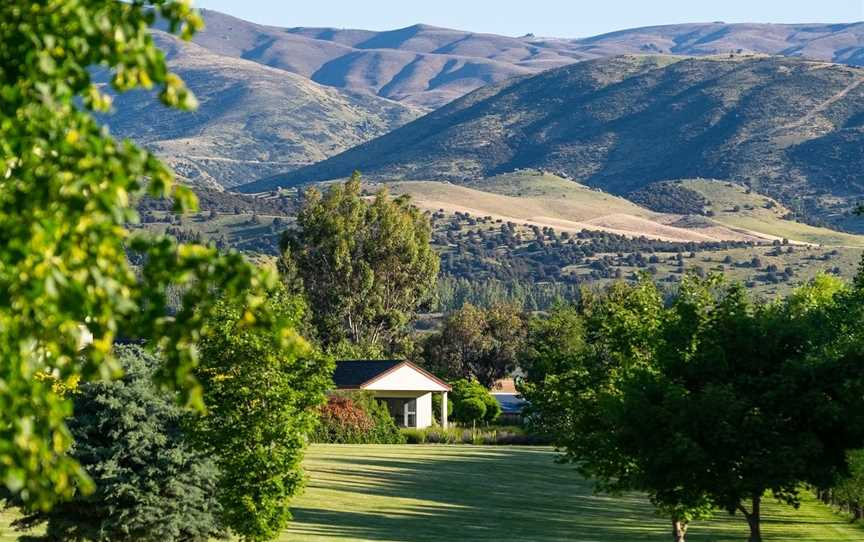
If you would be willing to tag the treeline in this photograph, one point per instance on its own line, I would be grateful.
(670, 197)
(508, 253)
(451, 293)
(224, 202)
(709, 400)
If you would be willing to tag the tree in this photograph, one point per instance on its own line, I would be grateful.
(471, 410)
(578, 365)
(471, 390)
(715, 400)
(364, 266)
(848, 491)
(66, 196)
(786, 377)
(151, 484)
(261, 399)
(477, 343)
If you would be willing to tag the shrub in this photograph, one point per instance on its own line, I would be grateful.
(509, 435)
(356, 418)
(470, 409)
(463, 390)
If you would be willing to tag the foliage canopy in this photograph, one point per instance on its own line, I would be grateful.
(364, 266)
(261, 401)
(709, 402)
(477, 343)
(152, 486)
(66, 192)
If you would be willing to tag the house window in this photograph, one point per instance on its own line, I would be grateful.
(411, 413)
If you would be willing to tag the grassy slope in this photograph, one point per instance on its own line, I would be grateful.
(499, 493)
(548, 201)
(545, 199)
(725, 196)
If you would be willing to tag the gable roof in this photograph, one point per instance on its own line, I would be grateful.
(357, 374)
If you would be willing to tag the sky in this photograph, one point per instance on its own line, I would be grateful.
(553, 18)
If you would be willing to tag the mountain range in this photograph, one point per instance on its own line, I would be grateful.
(277, 99)
(787, 127)
(430, 66)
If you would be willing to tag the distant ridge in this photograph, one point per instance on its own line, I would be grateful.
(790, 128)
(429, 66)
(253, 120)
(276, 99)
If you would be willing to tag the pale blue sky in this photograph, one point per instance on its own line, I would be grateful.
(559, 18)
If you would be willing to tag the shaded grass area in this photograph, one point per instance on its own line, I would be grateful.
(428, 492)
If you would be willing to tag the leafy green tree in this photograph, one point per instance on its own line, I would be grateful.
(578, 365)
(715, 400)
(261, 401)
(848, 491)
(477, 343)
(470, 410)
(786, 377)
(66, 192)
(471, 390)
(364, 266)
(151, 484)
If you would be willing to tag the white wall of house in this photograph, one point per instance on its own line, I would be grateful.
(423, 405)
(404, 378)
(424, 410)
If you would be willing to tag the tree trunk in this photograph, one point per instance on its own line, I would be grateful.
(679, 530)
(754, 520)
(857, 512)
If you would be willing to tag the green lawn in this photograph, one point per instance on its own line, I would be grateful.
(486, 493)
(499, 493)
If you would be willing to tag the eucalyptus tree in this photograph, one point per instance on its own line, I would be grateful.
(365, 266)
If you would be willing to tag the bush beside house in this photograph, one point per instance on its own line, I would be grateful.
(355, 417)
(472, 403)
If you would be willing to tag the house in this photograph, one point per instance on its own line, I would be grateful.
(512, 404)
(405, 388)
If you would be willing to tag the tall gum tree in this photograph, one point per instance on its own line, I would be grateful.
(364, 265)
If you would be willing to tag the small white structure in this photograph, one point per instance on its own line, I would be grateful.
(405, 388)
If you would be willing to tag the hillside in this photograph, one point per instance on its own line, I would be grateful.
(789, 128)
(430, 66)
(252, 120)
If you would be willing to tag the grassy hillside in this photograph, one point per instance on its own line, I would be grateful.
(359, 493)
(623, 123)
(739, 207)
(430, 66)
(252, 120)
(547, 200)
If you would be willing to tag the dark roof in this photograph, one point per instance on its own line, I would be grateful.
(511, 403)
(355, 373)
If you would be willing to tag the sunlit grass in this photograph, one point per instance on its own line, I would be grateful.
(500, 493)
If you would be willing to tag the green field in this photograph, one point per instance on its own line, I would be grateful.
(395, 493)
(491, 493)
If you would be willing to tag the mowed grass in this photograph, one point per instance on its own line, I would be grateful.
(429, 492)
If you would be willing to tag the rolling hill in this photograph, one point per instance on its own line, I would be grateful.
(790, 128)
(253, 120)
(275, 99)
(430, 66)
(732, 213)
